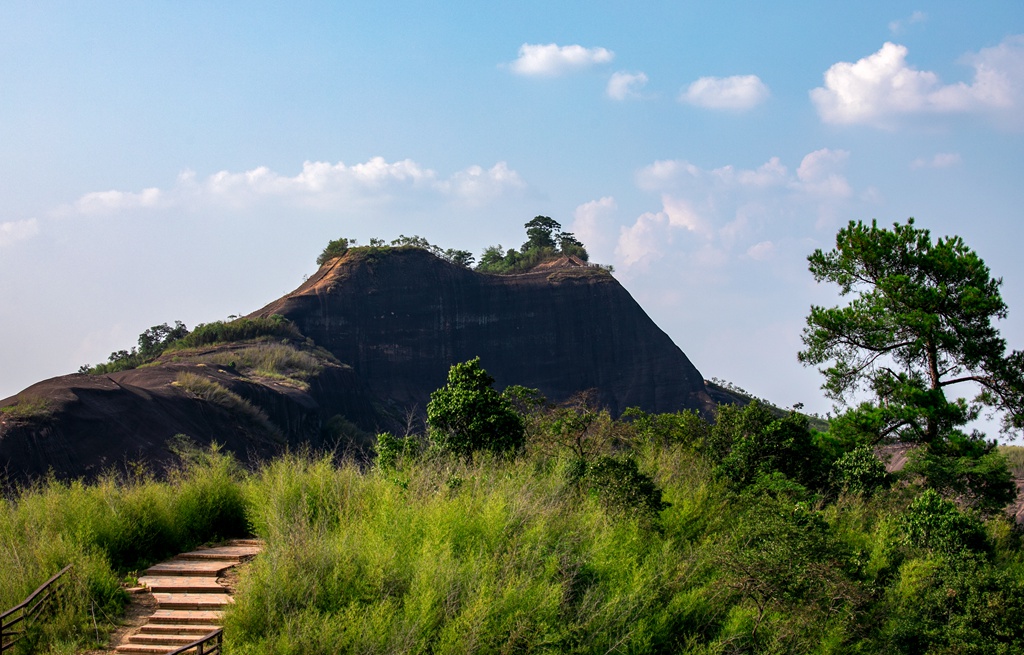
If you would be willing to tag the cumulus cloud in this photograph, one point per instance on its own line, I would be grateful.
(320, 185)
(820, 174)
(642, 243)
(882, 87)
(738, 92)
(939, 160)
(13, 231)
(476, 186)
(552, 59)
(897, 26)
(623, 85)
(591, 224)
(732, 212)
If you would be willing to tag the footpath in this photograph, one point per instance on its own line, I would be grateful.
(188, 596)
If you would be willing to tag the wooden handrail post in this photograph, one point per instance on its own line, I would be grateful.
(27, 611)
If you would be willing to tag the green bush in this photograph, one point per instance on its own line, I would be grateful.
(468, 415)
(334, 249)
(242, 329)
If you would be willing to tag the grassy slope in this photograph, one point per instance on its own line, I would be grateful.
(440, 555)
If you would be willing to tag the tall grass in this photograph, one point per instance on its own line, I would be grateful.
(216, 393)
(446, 556)
(272, 360)
(106, 530)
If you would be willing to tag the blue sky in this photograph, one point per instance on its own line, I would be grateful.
(185, 161)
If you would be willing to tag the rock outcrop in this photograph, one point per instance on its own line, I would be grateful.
(401, 317)
(395, 320)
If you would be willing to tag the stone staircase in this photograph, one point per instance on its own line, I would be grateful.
(190, 601)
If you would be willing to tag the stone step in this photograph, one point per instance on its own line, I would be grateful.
(230, 553)
(187, 601)
(186, 616)
(176, 641)
(144, 648)
(247, 542)
(196, 629)
(181, 583)
(193, 568)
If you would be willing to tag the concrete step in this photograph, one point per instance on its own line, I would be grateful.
(187, 601)
(200, 617)
(181, 583)
(190, 568)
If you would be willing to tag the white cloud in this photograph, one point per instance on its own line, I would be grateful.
(710, 217)
(761, 251)
(881, 87)
(623, 85)
(738, 92)
(939, 160)
(642, 243)
(319, 185)
(591, 225)
(14, 231)
(897, 26)
(819, 173)
(552, 59)
(476, 186)
(102, 202)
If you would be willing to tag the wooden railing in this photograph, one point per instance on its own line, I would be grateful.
(15, 621)
(209, 645)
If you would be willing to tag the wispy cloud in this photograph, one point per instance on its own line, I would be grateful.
(624, 85)
(882, 87)
(13, 231)
(939, 160)
(319, 185)
(898, 26)
(552, 59)
(739, 92)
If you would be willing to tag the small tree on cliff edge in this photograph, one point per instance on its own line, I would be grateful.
(467, 414)
(920, 322)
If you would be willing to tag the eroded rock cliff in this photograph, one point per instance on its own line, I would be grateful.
(401, 316)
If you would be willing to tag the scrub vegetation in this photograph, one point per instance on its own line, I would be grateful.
(511, 524)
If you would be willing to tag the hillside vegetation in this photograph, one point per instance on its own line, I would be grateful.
(651, 534)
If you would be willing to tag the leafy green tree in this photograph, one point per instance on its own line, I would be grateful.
(859, 471)
(335, 248)
(153, 341)
(937, 524)
(920, 323)
(540, 233)
(751, 442)
(467, 414)
(571, 246)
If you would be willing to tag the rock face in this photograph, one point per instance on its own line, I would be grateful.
(395, 319)
(401, 317)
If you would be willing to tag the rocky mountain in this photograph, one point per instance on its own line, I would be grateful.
(383, 327)
(400, 317)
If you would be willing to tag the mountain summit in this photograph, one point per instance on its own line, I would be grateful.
(369, 336)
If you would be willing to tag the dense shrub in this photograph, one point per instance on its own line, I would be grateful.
(242, 329)
(467, 414)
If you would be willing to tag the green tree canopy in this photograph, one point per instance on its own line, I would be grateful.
(467, 414)
(919, 323)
